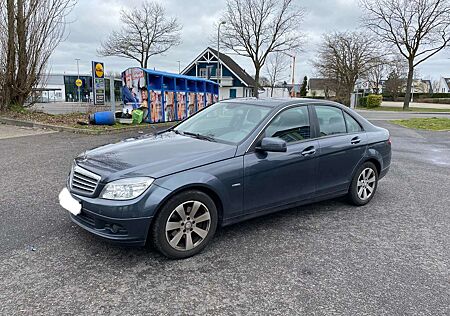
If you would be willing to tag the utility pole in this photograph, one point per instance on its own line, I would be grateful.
(112, 95)
(179, 67)
(218, 70)
(78, 75)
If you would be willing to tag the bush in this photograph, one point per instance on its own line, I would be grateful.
(362, 102)
(374, 100)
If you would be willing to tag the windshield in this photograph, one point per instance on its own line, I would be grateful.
(226, 122)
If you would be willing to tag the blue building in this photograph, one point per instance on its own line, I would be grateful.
(235, 82)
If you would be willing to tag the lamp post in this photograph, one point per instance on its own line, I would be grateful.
(218, 72)
(293, 72)
(78, 77)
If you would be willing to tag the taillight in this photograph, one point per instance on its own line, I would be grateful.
(389, 141)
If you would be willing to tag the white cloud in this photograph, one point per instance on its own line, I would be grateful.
(94, 19)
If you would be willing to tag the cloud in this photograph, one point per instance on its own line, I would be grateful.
(93, 20)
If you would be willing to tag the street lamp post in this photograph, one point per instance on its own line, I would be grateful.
(78, 77)
(293, 72)
(218, 71)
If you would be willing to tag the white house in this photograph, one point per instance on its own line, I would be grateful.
(235, 81)
(444, 85)
(320, 87)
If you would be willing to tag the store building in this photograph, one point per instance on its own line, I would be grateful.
(62, 88)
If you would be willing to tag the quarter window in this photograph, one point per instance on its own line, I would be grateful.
(291, 125)
(331, 120)
(352, 125)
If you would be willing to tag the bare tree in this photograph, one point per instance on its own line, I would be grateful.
(397, 70)
(377, 73)
(144, 33)
(344, 57)
(277, 64)
(255, 28)
(31, 31)
(418, 28)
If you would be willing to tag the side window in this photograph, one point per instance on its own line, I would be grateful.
(352, 125)
(291, 125)
(331, 120)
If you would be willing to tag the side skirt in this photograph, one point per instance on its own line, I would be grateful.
(240, 218)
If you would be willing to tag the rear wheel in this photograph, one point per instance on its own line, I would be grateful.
(364, 184)
(185, 225)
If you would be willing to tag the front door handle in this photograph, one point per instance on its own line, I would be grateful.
(309, 151)
(355, 140)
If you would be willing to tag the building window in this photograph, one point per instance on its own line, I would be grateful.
(232, 93)
(203, 72)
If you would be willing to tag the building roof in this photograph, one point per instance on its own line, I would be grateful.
(228, 62)
(173, 75)
(447, 81)
(319, 83)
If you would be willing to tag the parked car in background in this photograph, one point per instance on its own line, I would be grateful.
(232, 161)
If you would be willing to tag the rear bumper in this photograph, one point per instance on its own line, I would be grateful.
(384, 172)
(124, 231)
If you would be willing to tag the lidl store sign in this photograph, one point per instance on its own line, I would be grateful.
(98, 77)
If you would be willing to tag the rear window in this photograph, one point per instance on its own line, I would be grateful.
(352, 125)
(331, 120)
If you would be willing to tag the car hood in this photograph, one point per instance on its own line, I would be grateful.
(153, 156)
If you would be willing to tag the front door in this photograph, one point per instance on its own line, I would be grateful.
(277, 178)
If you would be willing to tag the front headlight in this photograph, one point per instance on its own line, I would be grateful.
(126, 189)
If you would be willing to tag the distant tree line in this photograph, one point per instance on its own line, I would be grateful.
(396, 36)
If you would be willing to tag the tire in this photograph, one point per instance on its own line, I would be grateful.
(364, 184)
(175, 233)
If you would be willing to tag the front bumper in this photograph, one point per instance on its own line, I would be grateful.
(125, 231)
(124, 222)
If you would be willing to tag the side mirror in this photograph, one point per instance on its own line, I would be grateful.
(272, 144)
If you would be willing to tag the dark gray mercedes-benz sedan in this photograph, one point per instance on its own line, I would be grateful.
(234, 160)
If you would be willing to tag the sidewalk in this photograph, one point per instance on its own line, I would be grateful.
(69, 107)
(413, 105)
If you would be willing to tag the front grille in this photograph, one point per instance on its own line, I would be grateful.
(83, 181)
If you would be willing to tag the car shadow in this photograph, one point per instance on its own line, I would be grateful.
(226, 238)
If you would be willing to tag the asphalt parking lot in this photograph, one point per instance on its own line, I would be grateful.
(390, 257)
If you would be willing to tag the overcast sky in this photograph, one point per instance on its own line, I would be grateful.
(92, 20)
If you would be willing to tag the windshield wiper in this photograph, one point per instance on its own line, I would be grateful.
(199, 136)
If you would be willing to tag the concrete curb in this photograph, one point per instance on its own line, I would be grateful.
(403, 112)
(59, 128)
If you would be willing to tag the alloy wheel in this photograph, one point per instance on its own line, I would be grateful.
(366, 183)
(188, 225)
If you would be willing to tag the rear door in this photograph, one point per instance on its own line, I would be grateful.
(274, 179)
(342, 144)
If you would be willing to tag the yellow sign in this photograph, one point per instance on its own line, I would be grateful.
(78, 82)
(99, 70)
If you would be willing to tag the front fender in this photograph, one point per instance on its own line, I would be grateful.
(224, 178)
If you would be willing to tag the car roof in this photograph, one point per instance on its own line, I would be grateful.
(279, 102)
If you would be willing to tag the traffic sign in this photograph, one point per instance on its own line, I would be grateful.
(78, 82)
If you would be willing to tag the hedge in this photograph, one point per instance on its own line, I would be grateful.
(371, 101)
(374, 100)
(387, 96)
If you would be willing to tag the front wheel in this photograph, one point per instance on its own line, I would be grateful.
(185, 225)
(364, 184)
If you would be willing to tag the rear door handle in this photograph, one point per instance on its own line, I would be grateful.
(355, 140)
(309, 151)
